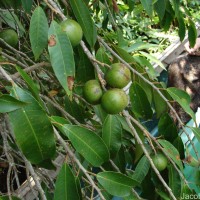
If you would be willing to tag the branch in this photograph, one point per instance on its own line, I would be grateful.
(147, 155)
(71, 154)
(31, 68)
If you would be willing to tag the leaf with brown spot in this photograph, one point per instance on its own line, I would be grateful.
(52, 41)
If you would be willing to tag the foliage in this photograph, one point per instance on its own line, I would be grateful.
(44, 116)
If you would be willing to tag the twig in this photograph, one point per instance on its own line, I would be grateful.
(55, 8)
(16, 51)
(158, 144)
(71, 154)
(6, 75)
(35, 178)
(147, 155)
(31, 68)
(14, 60)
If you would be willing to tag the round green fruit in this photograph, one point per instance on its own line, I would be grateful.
(118, 76)
(73, 31)
(92, 92)
(9, 36)
(114, 101)
(160, 161)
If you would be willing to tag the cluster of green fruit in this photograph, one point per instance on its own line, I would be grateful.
(114, 100)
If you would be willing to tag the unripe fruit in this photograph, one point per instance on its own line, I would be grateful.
(92, 92)
(9, 36)
(160, 161)
(114, 101)
(118, 76)
(73, 31)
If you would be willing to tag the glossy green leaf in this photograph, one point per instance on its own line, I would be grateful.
(139, 45)
(172, 152)
(178, 144)
(153, 59)
(83, 16)
(148, 6)
(115, 183)
(160, 7)
(163, 194)
(141, 169)
(27, 4)
(112, 133)
(32, 129)
(61, 55)
(74, 109)
(85, 69)
(182, 28)
(175, 182)
(103, 58)
(167, 128)
(192, 33)
(139, 102)
(38, 32)
(159, 103)
(88, 144)
(32, 86)
(196, 132)
(183, 99)
(9, 103)
(66, 186)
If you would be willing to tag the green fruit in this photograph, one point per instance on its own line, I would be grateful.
(114, 101)
(73, 31)
(160, 161)
(92, 92)
(9, 36)
(118, 76)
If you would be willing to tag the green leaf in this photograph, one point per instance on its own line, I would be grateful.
(175, 182)
(12, 20)
(139, 102)
(61, 55)
(9, 103)
(141, 169)
(32, 129)
(167, 128)
(160, 7)
(159, 103)
(192, 33)
(181, 28)
(172, 152)
(163, 194)
(196, 132)
(38, 32)
(112, 133)
(74, 109)
(88, 144)
(153, 59)
(183, 99)
(84, 18)
(32, 86)
(66, 186)
(27, 4)
(85, 69)
(148, 6)
(139, 46)
(115, 183)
